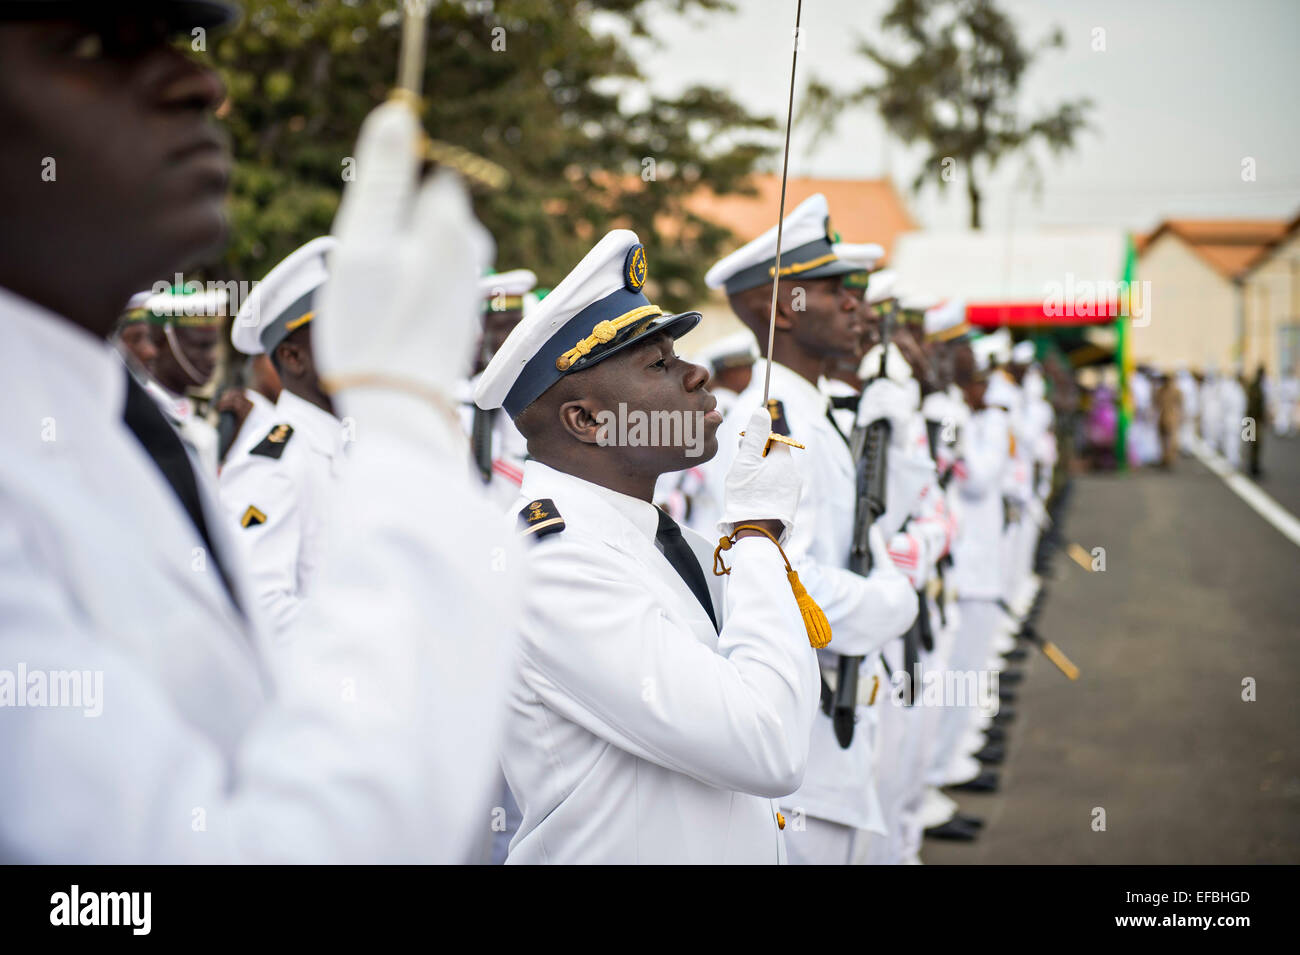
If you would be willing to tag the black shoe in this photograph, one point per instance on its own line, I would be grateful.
(991, 754)
(1006, 696)
(1016, 654)
(1010, 677)
(975, 822)
(985, 782)
(995, 734)
(1004, 716)
(954, 830)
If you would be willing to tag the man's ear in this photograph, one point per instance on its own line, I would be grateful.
(786, 316)
(291, 358)
(583, 420)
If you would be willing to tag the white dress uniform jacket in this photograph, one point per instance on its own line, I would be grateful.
(638, 733)
(977, 551)
(278, 496)
(181, 758)
(259, 421)
(838, 785)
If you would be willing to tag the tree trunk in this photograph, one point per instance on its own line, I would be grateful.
(973, 191)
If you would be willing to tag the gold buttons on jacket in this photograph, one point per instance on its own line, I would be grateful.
(780, 821)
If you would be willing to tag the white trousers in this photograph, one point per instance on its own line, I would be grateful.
(812, 841)
(969, 654)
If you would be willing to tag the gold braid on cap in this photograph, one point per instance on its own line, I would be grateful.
(798, 267)
(603, 333)
(951, 333)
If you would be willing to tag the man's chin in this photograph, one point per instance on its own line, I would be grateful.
(708, 449)
(202, 237)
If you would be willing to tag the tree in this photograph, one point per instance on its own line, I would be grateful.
(953, 88)
(533, 85)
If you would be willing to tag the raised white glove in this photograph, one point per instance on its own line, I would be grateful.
(401, 304)
(891, 401)
(760, 488)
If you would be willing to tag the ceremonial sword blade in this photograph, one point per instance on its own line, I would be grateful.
(410, 64)
(780, 219)
(410, 81)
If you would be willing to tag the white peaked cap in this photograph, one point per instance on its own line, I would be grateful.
(864, 255)
(947, 320)
(512, 283)
(284, 300)
(881, 286)
(598, 309)
(917, 301)
(806, 252)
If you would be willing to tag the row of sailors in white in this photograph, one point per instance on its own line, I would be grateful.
(580, 693)
(839, 801)
(871, 801)
(1218, 406)
(1213, 409)
(609, 625)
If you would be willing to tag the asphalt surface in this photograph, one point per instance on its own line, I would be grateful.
(1198, 594)
(1280, 461)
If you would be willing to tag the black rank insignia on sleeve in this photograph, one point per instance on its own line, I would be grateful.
(252, 517)
(777, 411)
(272, 446)
(540, 517)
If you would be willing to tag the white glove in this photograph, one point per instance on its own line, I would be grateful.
(907, 476)
(401, 304)
(936, 407)
(911, 555)
(891, 401)
(895, 604)
(760, 488)
(896, 366)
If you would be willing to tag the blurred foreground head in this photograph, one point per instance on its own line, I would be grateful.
(112, 171)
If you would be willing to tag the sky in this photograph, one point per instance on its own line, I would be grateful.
(1184, 91)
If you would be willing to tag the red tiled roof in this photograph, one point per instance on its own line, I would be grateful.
(862, 210)
(1229, 246)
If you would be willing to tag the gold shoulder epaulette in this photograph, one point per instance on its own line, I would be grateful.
(540, 517)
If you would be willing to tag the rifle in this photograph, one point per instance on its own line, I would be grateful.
(480, 440)
(1050, 650)
(870, 447)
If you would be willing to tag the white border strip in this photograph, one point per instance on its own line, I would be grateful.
(1250, 492)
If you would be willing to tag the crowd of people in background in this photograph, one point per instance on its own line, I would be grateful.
(1182, 410)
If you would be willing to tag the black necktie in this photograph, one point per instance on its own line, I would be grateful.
(830, 416)
(164, 446)
(668, 538)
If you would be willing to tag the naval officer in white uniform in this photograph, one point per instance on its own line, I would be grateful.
(818, 321)
(656, 715)
(279, 490)
(375, 739)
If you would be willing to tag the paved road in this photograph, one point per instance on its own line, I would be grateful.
(1280, 458)
(1199, 593)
